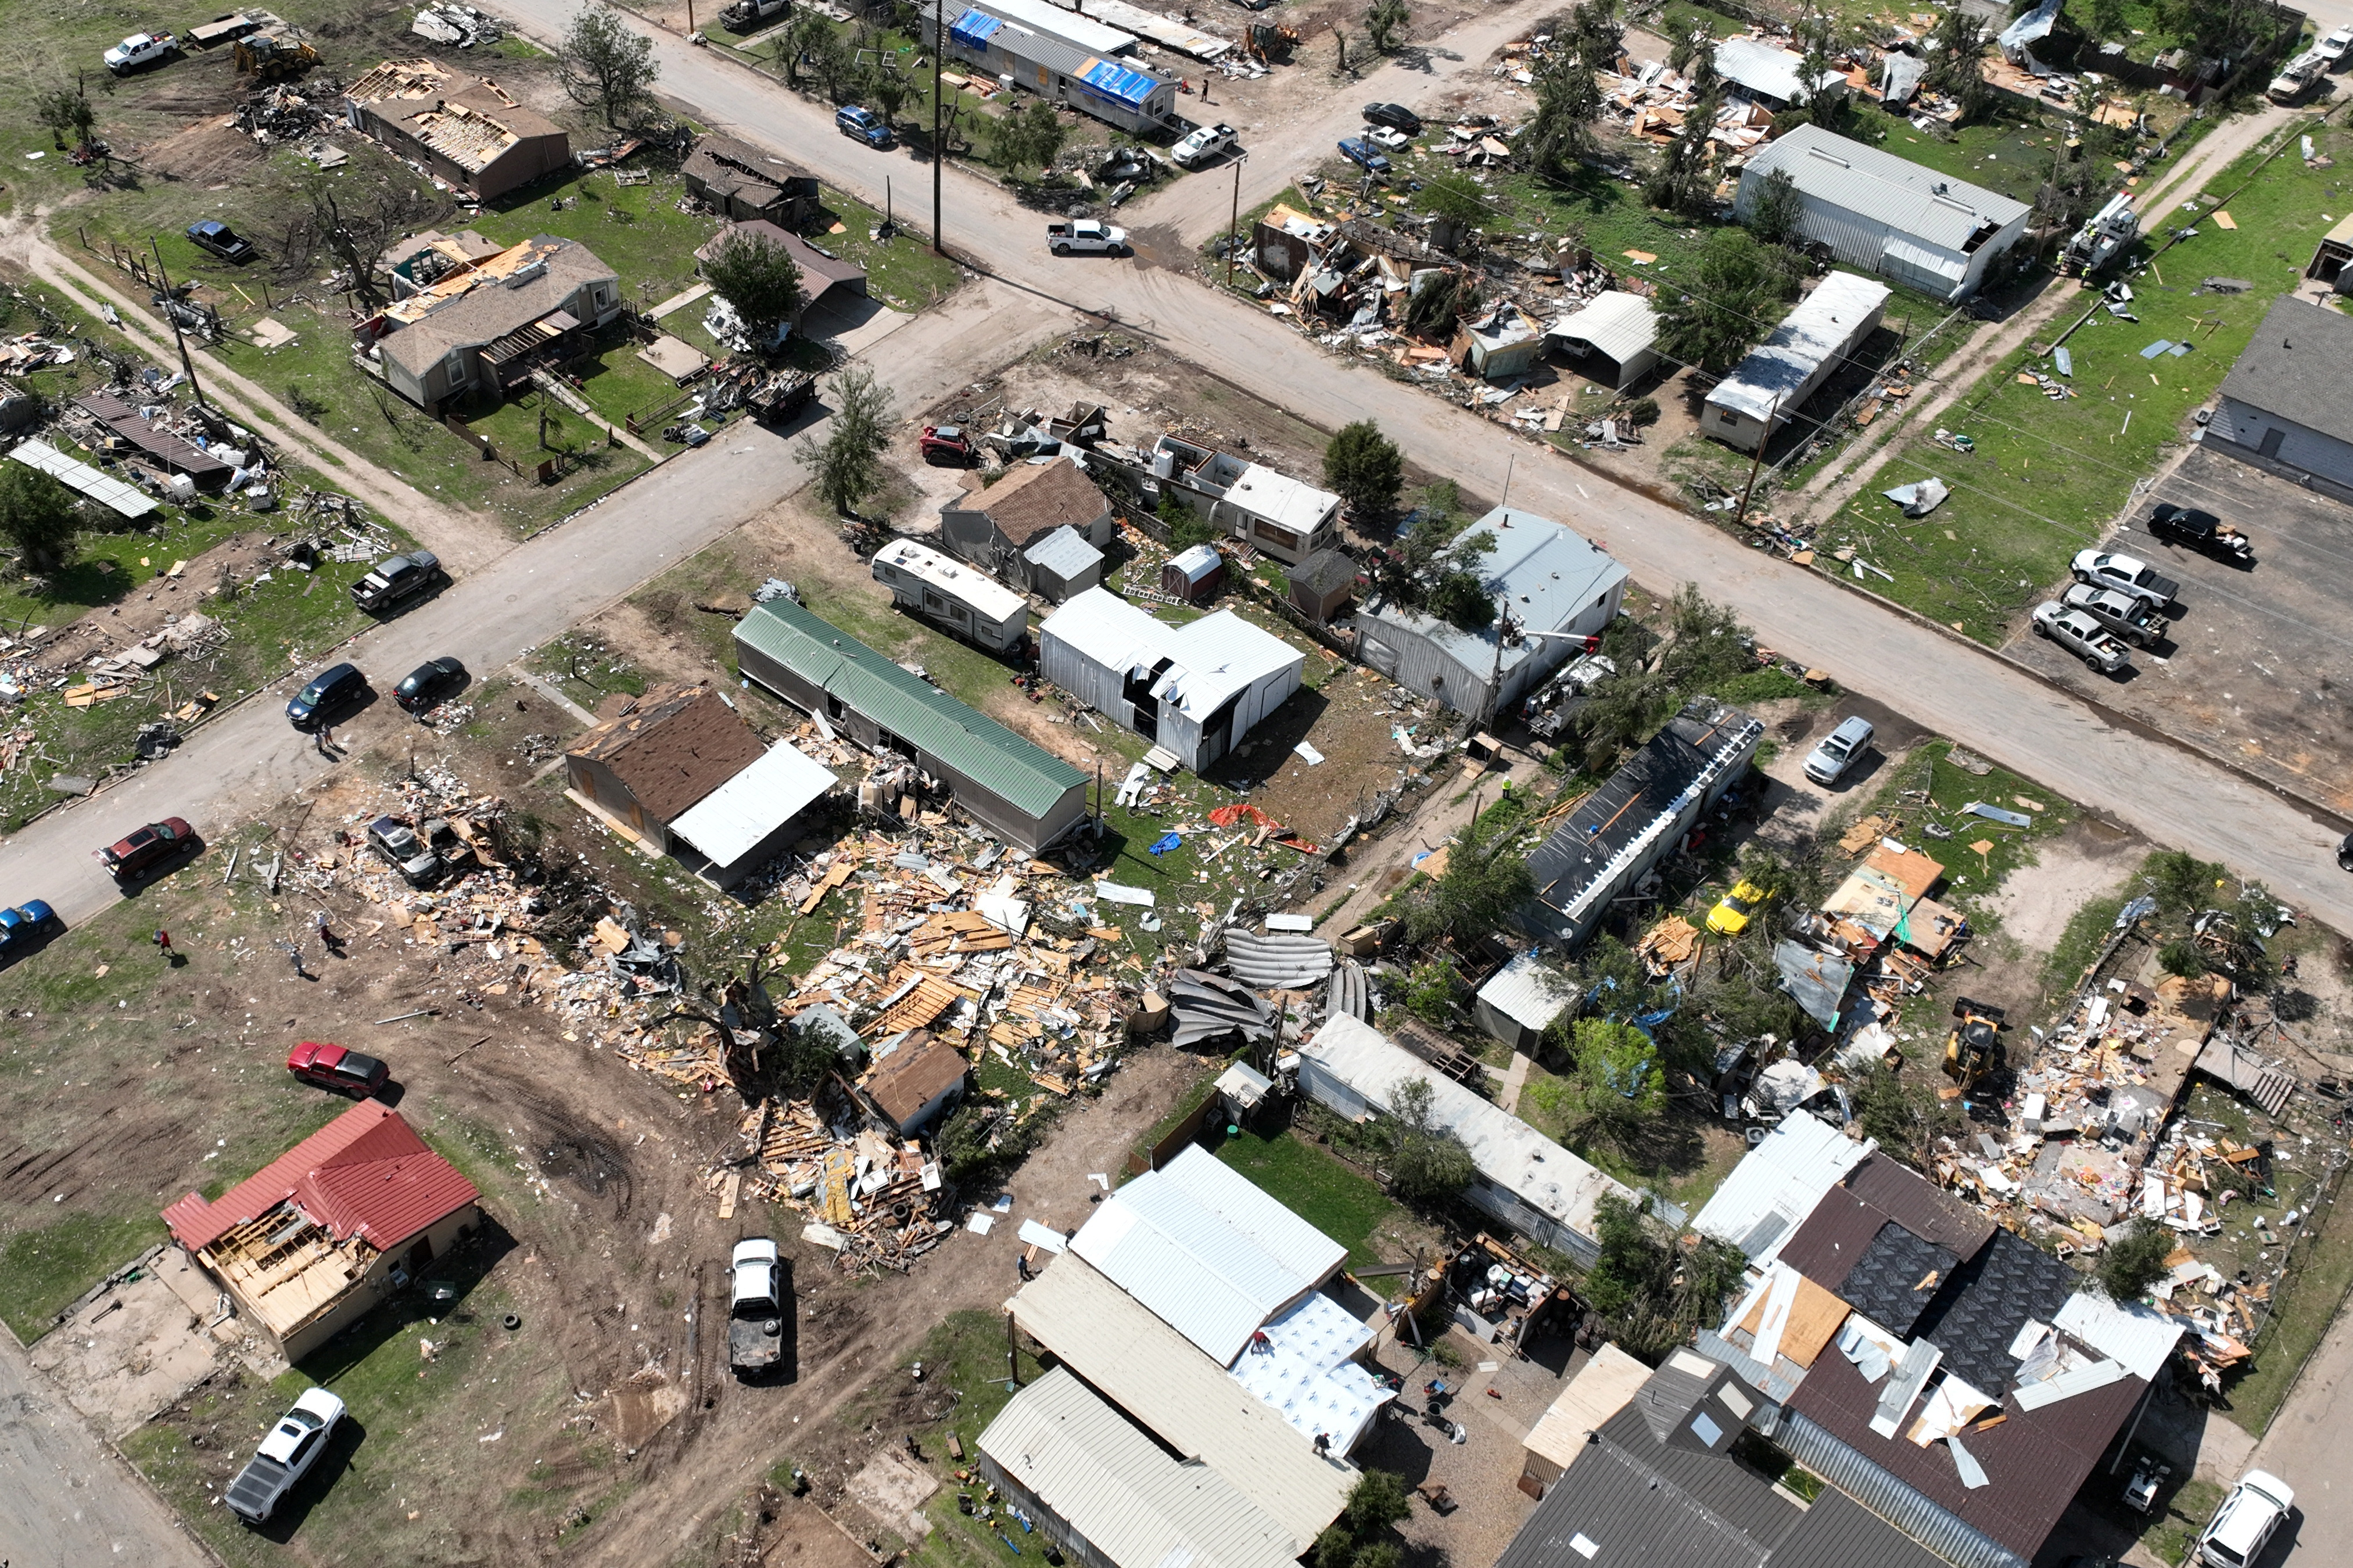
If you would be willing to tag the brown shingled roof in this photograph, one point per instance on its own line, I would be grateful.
(920, 1069)
(677, 744)
(1036, 498)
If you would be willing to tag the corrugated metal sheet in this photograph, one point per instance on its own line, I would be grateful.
(1530, 992)
(1812, 340)
(1514, 1156)
(1065, 552)
(100, 487)
(1220, 655)
(1617, 323)
(727, 824)
(1255, 1212)
(1909, 197)
(1119, 1493)
(364, 1173)
(1769, 1194)
(1766, 69)
(1149, 1370)
(1943, 1533)
(1040, 17)
(1091, 645)
(1293, 962)
(2134, 1333)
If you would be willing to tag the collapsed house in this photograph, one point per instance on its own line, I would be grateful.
(952, 595)
(1025, 796)
(1887, 214)
(417, 263)
(468, 133)
(740, 182)
(1767, 389)
(486, 329)
(1062, 56)
(1525, 1179)
(1286, 518)
(1768, 74)
(1014, 528)
(1612, 839)
(316, 1238)
(643, 768)
(1558, 588)
(1194, 691)
(189, 456)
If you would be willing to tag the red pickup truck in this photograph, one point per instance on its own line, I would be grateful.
(332, 1066)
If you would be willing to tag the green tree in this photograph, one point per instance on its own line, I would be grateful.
(601, 61)
(1385, 25)
(1033, 134)
(64, 112)
(1957, 45)
(888, 87)
(1364, 468)
(832, 59)
(1433, 992)
(760, 279)
(1684, 180)
(1455, 199)
(1907, 1116)
(1485, 882)
(803, 36)
(1725, 308)
(2182, 884)
(1621, 1086)
(1377, 1501)
(1428, 1163)
(2134, 1261)
(1774, 217)
(1432, 309)
(39, 517)
(1434, 564)
(1821, 48)
(1186, 528)
(1655, 1294)
(1568, 95)
(848, 463)
(2180, 956)
(2106, 21)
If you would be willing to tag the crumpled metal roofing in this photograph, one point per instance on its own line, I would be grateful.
(1207, 1005)
(1277, 960)
(1349, 992)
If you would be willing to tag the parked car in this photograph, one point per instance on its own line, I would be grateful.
(2297, 77)
(330, 691)
(745, 14)
(2332, 49)
(2082, 635)
(141, 50)
(222, 240)
(947, 444)
(397, 842)
(1737, 908)
(2128, 574)
(1387, 140)
(151, 847)
(23, 927)
(2130, 619)
(430, 682)
(1205, 142)
(1839, 750)
(1396, 116)
(755, 1308)
(2344, 853)
(285, 1457)
(397, 579)
(862, 124)
(1358, 150)
(2246, 1522)
(1086, 235)
(333, 1066)
(2200, 530)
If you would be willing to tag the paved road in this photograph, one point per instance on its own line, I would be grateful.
(2306, 1448)
(66, 1501)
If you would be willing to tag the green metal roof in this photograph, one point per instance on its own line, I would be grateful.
(1031, 779)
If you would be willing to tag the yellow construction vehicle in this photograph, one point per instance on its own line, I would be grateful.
(274, 56)
(1974, 1048)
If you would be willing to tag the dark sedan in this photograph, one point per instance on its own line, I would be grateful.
(1396, 116)
(428, 683)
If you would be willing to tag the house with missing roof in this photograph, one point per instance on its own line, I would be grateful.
(1554, 588)
(1194, 691)
(1208, 1392)
(1765, 73)
(1523, 1179)
(643, 769)
(1613, 838)
(481, 330)
(308, 1244)
(1904, 221)
(1042, 527)
(740, 182)
(2284, 408)
(1947, 1374)
(1768, 387)
(1010, 786)
(465, 131)
(1286, 518)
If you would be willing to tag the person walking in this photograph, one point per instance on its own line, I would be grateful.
(164, 942)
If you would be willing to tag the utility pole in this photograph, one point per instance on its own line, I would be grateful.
(1234, 235)
(1495, 676)
(1750, 488)
(1510, 460)
(172, 314)
(939, 145)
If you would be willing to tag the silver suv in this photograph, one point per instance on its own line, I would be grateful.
(1839, 750)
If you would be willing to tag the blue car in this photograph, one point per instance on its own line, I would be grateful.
(334, 689)
(21, 927)
(851, 120)
(1357, 150)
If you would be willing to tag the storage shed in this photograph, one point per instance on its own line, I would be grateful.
(1195, 574)
(1764, 390)
(1025, 796)
(1062, 565)
(640, 771)
(1887, 214)
(1195, 689)
(952, 595)
(1523, 999)
(914, 1077)
(739, 827)
(1504, 342)
(1609, 339)
(1321, 584)
(2284, 408)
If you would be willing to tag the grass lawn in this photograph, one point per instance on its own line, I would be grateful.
(2308, 1302)
(1970, 878)
(637, 230)
(2009, 154)
(2049, 478)
(1319, 1189)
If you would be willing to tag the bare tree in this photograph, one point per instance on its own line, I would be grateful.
(356, 221)
(604, 63)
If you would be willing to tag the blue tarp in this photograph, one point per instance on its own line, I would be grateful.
(974, 28)
(1117, 83)
(1166, 843)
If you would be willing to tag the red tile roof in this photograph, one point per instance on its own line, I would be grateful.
(364, 1173)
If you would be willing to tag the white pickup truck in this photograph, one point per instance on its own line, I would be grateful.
(1086, 235)
(285, 1457)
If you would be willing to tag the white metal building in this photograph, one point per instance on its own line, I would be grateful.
(1523, 999)
(1112, 1498)
(1557, 582)
(1196, 689)
(739, 827)
(1888, 214)
(1060, 56)
(1769, 74)
(1289, 519)
(2285, 407)
(955, 596)
(1609, 338)
(1526, 1180)
(1769, 1194)
(1773, 382)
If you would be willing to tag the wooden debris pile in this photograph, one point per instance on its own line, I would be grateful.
(873, 1201)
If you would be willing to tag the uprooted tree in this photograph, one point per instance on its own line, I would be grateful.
(760, 1058)
(1655, 1293)
(38, 516)
(1429, 1164)
(1434, 564)
(355, 218)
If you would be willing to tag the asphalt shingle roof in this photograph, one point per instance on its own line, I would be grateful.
(2295, 366)
(1978, 1311)
(1896, 1278)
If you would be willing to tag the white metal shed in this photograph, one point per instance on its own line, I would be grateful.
(739, 827)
